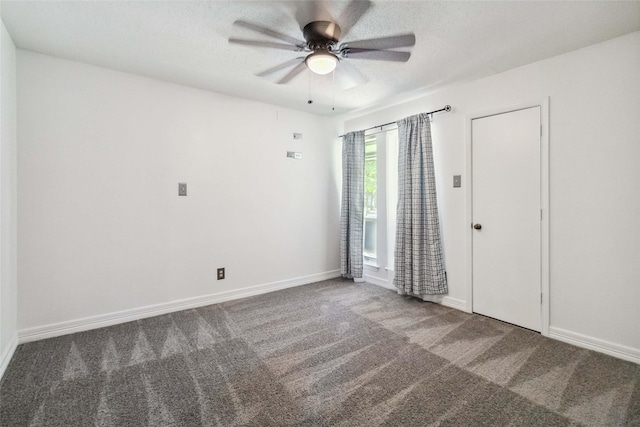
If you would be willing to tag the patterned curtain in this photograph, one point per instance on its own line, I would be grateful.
(352, 211)
(419, 263)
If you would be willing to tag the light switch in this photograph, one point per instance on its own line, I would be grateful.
(182, 189)
(457, 181)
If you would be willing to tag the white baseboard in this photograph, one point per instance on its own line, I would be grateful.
(7, 354)
(616, 350)
(109, 319)
(379, 282)
(456, 303)
(445, 300)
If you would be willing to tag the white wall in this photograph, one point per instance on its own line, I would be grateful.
(8, 203)
(102, 228)
(594, 183)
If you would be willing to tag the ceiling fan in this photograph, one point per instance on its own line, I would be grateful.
(324, 51)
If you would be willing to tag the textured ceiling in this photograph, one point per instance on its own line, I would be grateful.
(186, 42)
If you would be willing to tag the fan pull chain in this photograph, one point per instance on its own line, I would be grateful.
(310, 101)
(333, 90)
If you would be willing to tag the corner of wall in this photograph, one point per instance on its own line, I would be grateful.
(8, 200)
(7, 354)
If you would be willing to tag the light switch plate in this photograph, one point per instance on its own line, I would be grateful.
(297, 136)
(182, 189)
(457, 181)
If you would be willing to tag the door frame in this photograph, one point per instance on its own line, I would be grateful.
(543, 103)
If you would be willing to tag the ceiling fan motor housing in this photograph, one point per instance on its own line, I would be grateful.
(321, 34)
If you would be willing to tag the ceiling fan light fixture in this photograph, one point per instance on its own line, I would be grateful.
(321, 61)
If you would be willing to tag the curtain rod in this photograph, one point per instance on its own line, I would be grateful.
(445, 108)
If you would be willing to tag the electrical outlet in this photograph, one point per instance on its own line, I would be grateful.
(221, 273)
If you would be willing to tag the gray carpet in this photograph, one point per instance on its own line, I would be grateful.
(330, 353)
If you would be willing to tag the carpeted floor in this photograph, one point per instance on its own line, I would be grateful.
(330, 353)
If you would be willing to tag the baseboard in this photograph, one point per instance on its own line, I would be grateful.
(379, 282)
(456, 303)
(616, 350)
(445, 300)
(109, 319)
(7, 354)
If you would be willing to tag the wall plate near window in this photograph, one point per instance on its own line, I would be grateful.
(294, 155)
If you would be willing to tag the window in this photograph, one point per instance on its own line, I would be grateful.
(380, 189)
(370, 199)
(392, 194)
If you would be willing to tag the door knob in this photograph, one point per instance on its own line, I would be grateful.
(477, 226)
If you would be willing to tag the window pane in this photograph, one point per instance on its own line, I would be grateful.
(370, 199)
(392, 194)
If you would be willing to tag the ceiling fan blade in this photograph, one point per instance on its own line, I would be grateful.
(281, 66)
(380, 55)
(352, 14)
(347, 76)
(403, 40)
(297, 70)
(261, 43)
(268, 32)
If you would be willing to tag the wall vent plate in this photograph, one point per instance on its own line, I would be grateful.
(182, 189)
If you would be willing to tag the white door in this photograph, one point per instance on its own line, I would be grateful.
(507, 217)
